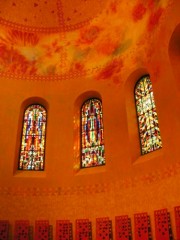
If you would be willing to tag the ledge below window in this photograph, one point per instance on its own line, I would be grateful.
(29, 174)
(91, 170)
(149, 156)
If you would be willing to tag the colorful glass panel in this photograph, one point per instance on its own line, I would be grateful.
(33, 138)
(92, 137)
(147, 116)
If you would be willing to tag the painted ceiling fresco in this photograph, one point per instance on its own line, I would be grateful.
(56, 40)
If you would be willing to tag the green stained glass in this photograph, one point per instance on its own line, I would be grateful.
(92, 134)
(147, 116)
(33, 138)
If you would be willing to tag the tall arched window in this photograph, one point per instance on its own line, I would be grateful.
(92, 137)
(33, 138)
(147, 116)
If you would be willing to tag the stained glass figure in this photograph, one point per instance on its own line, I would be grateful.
(33, 138)
(147, 116)
(92, 137)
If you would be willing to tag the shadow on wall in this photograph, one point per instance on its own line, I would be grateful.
(174, 53)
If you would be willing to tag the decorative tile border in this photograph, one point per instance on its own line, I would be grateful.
(71, 75)
(146, 179)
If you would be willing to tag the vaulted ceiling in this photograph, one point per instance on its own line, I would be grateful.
(62, 39)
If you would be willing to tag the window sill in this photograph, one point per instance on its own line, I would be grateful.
(149, 156)
(91, 170)
(29, 174)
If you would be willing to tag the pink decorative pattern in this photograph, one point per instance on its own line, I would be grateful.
(4, 229)
(103, 229)
(177, 221)
(123, 228)
(83, 229)
(21, 230)
(42, 230)
(141, 226)
(162, 225)
(63, 230)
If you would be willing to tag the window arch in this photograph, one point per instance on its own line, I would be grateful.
(92, 134)
(147, 116)
(32, 150)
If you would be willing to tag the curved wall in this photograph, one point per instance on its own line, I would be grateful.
(128, 183)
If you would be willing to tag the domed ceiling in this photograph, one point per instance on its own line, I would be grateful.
(62, 39)
(49, 16)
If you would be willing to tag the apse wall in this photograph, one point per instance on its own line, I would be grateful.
(129, 183)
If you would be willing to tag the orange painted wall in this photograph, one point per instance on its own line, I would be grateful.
(128, 183)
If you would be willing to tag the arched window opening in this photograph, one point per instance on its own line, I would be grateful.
(174, 53)
(32, 151)
(147, 116)
(92, 135)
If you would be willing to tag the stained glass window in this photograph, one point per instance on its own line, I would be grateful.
(33, 138)
(92, 137)
(147, 116)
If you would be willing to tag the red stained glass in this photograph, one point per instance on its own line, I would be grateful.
(147, 116)
(33, 138)
(92, 136)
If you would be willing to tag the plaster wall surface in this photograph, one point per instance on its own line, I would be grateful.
(128, 183)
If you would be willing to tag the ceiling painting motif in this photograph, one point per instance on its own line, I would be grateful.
(59, 40)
